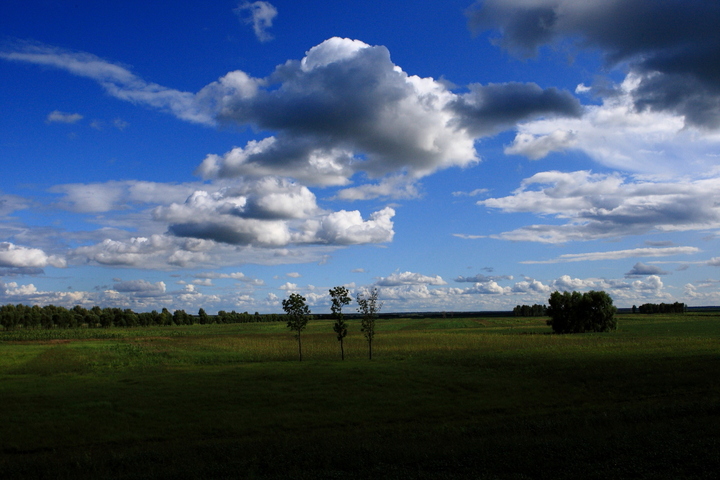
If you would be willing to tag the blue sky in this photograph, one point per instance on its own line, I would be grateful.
(457, 155)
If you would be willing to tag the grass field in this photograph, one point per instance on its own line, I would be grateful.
(442, 398)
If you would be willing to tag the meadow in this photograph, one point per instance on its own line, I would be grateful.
(496, 397)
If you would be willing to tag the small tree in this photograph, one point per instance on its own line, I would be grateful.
(340, 297)
(577, 313)
(298, 315)
(369, 306)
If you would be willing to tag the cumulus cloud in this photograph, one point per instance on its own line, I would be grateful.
(260, 15)
(595, 206)
(56, 116)
(271, 212)
(409, 278)
(344, 108)
(618, 135)
(642, 270)
(672, 46)
(494, 107)
(488, 288)
(154, 251)
(16, 256)
(650, 288)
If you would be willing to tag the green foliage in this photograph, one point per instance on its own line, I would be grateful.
(298, 314)
(530, 311)
(676, 307)
(369, 306)
(577, 312)
(339, 297)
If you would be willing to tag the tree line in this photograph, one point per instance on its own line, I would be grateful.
(51, 316)
(676, 307)
(530, 310)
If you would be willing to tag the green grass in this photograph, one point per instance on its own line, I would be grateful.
(442, 398)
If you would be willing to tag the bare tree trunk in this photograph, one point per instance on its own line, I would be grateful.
(370, 348)
(299, 346)
(342, 350)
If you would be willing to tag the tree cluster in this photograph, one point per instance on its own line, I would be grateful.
(298, 314)
(577, 312)
(530, 311)
(676, 307)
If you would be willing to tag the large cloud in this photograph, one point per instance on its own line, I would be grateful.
(271, 212)
(342, 109)
(673, 45)
(16, 256)
(167, 252)
(490, 108)
(602, 206)
(616, 134)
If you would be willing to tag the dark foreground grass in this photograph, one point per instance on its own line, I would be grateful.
(487, 398)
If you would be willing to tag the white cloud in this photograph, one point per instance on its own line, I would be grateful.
(342, 110)
(117, 80)
(395, 187)
(271, 212)
(409, 278)
(57, 116)
(620, 136)
(474, 193)
(16, 256)
(348, 228)
(118, 195)
(235, 276)
(618, 254)
(488, 288)
(538, 146)
(604, 206)
(260, 16)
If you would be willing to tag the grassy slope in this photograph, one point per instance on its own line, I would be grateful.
(448, 398)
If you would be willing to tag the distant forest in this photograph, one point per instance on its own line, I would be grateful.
(51, 316)
(676, 307)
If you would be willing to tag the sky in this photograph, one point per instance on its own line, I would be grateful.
(456, 155)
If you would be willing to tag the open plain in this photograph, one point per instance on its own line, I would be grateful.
(496, 397)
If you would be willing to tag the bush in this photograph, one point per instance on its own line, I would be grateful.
(581, 312)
